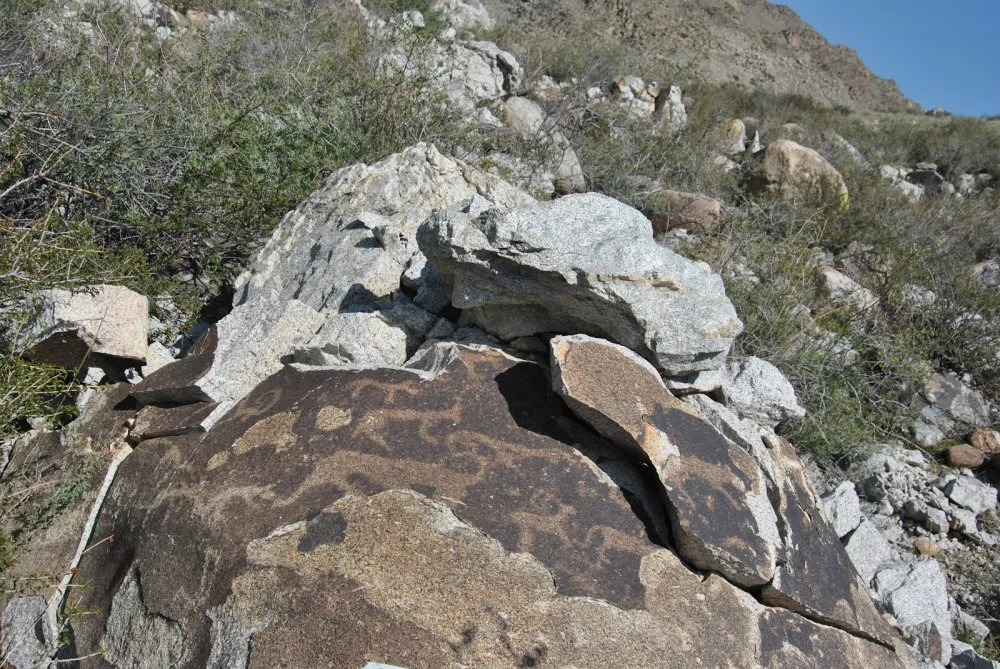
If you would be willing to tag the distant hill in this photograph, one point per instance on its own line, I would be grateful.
(751, 42)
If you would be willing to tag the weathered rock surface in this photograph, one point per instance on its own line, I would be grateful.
(464, 14)
(583, 263)
(422, 521)
(104, 327)
(362, 338)
(717, 497)
(345, 248)
(622, 397)
(697, 213)
(844, 509)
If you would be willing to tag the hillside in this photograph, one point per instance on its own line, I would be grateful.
(399, 334)
(754, 43)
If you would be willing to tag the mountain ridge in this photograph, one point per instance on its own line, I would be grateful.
(753, 43)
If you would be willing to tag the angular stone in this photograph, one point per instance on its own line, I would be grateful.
(697, 213)
(868, 551)
(715, 492)
(584, 263)
(972, 494)
(814, 576)
(157, 356)
(948, 408)
(844, 291)
(844, 509)
(153, 422)
(916, 593)
(104, 326)
(986, 441)
(757, 390)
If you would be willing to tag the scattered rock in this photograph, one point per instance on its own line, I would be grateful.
(971, 494)
(464, 14)
(948, 408)
(843, 291)
(964, 455)
(691, 211)
(925, 546)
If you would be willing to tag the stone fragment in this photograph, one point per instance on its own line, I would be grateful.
(844, 291)
(584, 263)
(735, 138)
(757, 390)
(968, 626)
(622, 397)
(968, 658)
(669, 108)
(103, 326)
(986, 441)
(695, 383)
(933, 519)
(972, 494)
(947, 408)
(176, 383)
(843, 508)
(963, 521)
(925, 546)
(796, 172)
(964, 455)
(355, 338)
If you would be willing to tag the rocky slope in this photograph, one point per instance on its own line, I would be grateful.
(750, 42)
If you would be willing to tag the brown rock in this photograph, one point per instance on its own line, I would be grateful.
(691, 211)
(986, 440)
(925, 546)
(153, 422)
(715, 492)
(799, 173)
(964, 455)
(464, 519)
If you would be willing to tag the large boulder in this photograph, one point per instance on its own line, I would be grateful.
(420, 519)
(727, 515)
(796, 172)
(100, 326)
(587, 264)
(345, 248)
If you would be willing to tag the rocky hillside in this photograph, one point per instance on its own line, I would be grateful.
(753, 43)
(390, 348)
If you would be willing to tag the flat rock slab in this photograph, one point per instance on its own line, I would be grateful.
(583, 263)
(716, 494)
(418, 521)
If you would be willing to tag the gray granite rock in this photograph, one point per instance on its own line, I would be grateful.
(757, 390)
(584, 263)
(868, 551)
(844, 509)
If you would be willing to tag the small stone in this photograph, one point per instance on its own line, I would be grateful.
(986, 440)
(925, 546)
(972, 494)
(964, 455)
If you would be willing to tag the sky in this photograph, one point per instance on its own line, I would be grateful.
(941, 54)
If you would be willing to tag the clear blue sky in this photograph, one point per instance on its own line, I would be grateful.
(941, 54)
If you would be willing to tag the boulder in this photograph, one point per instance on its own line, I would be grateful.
(964, 455)
(947, 408)
(916, 593)
(723, 508)
(757, 390)
(345, 248)
(844, 509)
(464, 14)
(622, 397)
(799, 173)
(583, 263)
(25, 643)
(460, 517)
(101, 326)
(986, 441)
(697, 213)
